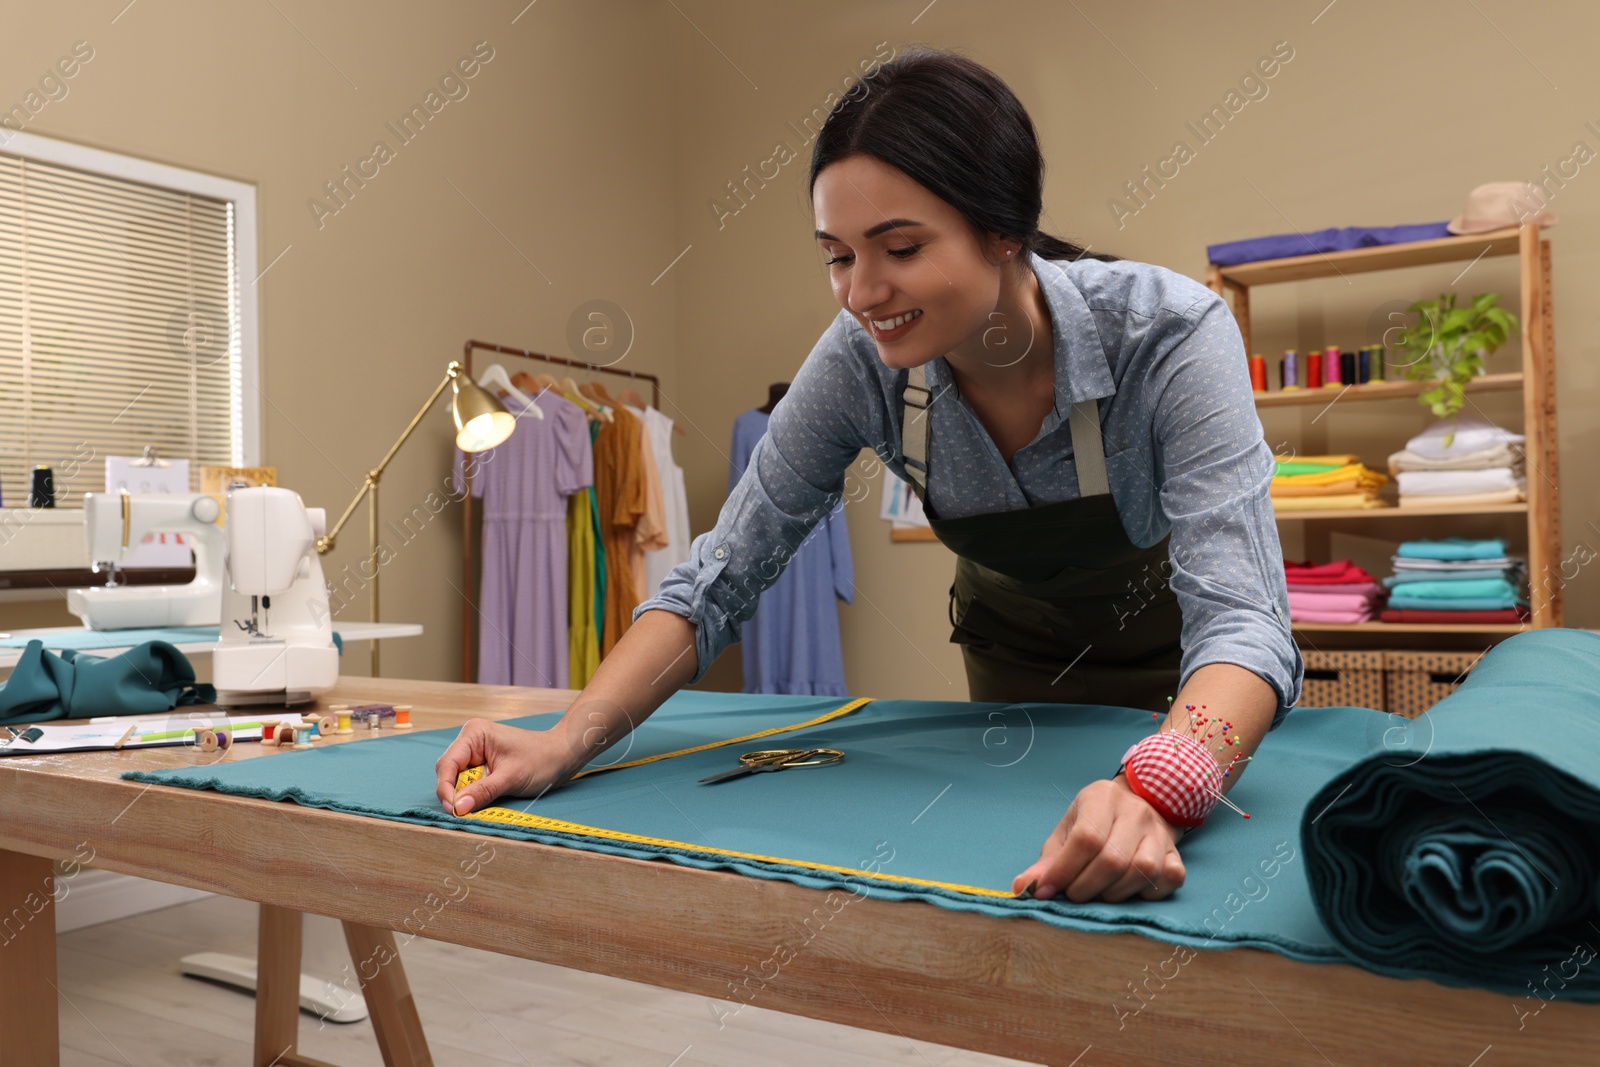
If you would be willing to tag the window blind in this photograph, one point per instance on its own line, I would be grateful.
(119, 327)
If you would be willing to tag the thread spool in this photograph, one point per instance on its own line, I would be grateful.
(1378, 371)
(1289, 372)
(325, 725)
(1313, 370)
(284, 732)
(402, 716)
(206, 740)
(344, 722)
(1331, 367)
(303, 734)
(1364, 365)
(1258, 373)
(1347, 368)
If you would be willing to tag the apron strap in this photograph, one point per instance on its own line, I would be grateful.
(1088, 450)
(914, 428)
(1087, 447)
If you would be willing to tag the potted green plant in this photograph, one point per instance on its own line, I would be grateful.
(1447, 345)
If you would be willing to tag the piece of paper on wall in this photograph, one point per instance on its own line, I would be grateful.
(170, 549)
(900, 504)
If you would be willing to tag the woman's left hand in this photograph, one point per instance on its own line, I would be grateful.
(1110, 844)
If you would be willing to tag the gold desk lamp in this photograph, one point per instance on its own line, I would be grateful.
(481, 423)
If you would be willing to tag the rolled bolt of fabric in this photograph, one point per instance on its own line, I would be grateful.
(1175, 774)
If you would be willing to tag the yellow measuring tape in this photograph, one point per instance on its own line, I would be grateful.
(523, 820)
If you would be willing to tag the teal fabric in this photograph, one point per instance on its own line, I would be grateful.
(1413, 577)
(89, 640)
(965, 793)
(1475, 859)
(1461, 589)
(150, 678)
(82, 640)
(1405, 601)
(1452, 548)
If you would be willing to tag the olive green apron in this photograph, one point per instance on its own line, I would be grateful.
(1054, 604)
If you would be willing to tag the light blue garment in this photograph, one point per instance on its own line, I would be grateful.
(1409, 577)
(792, 644)
(1184, 453)
(1453, 548)
(1402, 602)
(1459, 589)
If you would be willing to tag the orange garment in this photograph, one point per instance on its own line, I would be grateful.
(619, 483)
(650, 533)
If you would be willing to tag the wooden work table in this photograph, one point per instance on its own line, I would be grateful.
(1014, 987)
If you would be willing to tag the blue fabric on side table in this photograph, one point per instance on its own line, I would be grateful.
(964, 794)
(150, 678)
(1474, 860)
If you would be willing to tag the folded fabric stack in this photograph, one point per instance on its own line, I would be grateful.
(1483, 464)
(1331, 592)
(1303, 483)
(1456, 580)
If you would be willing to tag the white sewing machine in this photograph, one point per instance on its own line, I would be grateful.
(114, 524)
(276, 645)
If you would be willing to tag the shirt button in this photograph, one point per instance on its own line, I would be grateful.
(719, 553)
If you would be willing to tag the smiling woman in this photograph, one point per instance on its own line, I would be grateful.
(1073, 424)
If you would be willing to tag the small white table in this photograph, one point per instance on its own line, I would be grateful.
(347, 631)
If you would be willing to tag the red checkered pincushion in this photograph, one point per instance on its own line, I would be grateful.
(1176, 774)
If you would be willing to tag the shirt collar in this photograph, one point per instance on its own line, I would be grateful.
(1082, 372)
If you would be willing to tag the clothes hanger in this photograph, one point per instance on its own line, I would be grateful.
(495, 378)
(526, 382)
(577, 395)
(545, 381)
(631, 396)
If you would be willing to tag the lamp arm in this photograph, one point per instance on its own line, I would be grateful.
(326, 542)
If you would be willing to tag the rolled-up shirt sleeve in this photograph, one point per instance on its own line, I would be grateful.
(794, 479)
(1214, 471)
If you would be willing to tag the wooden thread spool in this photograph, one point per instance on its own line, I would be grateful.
(303, 734)
(344, 722)
(325, 726)
(206, 741)
(402, 716)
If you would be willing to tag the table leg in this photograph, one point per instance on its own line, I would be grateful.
(389, 1001)
(277, 985)
(28, 960)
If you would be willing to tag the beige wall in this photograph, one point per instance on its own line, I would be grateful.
(599, 138)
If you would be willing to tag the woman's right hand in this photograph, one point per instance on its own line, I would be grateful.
(516, 762)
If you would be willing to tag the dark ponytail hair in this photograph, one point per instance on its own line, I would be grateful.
(956, 129)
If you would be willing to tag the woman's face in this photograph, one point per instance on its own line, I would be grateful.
(894, 248)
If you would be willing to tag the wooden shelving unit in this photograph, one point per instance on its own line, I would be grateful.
(1542, 511)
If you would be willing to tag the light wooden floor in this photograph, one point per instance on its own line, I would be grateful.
(123, 1002)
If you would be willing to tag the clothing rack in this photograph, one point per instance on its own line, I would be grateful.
(468, 587)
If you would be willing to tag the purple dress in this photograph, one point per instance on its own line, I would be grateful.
(524, 483)
(792, 644)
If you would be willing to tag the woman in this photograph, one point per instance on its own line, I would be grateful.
(1081, 431)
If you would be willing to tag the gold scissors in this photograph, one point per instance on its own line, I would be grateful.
(776, 759)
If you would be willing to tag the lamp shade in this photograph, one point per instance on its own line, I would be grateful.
(481, 420)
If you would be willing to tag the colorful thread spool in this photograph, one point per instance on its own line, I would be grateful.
(1289, 372)
(1331, 368)
(1313, 370)
(402, 716)
(303, 734)
(1364, 365)
(326, 726)
(344, 722)
(1347, 368)
(1258, 373)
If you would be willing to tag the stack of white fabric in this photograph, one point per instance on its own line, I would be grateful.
(1483, 464)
